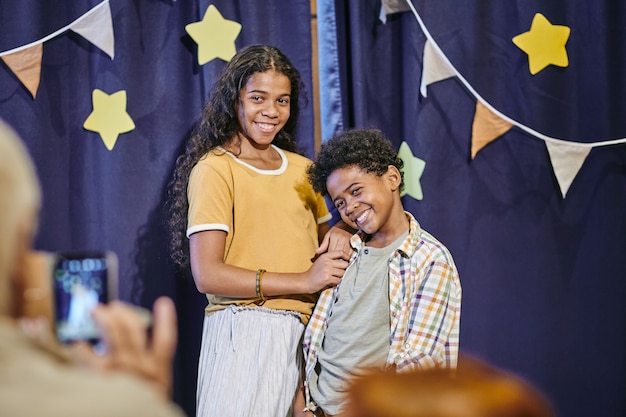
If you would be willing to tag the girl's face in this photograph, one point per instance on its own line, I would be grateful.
(264, 106)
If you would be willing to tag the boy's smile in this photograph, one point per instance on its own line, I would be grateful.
(369, 202)
(361, 218)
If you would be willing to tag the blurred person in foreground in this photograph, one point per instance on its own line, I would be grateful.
(474, 389)
(37, 375)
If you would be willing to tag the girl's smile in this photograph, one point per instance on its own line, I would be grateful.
(264, 107)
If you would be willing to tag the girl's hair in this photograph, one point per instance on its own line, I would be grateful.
(220, 123)
(367, 149)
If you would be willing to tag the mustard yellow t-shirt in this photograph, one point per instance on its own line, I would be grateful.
(270, 217)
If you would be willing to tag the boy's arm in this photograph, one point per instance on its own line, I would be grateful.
(432, 321)
(299, 405)
(312, 339)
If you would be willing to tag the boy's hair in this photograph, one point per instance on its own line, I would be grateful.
(367, 149)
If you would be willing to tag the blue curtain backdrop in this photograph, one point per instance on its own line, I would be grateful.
(543, 276)
(95, 198)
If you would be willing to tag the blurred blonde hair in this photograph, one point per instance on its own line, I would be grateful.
(475, 389)
(20, 199)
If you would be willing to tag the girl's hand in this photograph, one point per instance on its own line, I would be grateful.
(326, 271)
(337, 238)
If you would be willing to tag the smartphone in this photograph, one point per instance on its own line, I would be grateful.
(82, 280)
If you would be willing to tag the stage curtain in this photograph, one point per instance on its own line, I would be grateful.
(100, 198)
(541, 261)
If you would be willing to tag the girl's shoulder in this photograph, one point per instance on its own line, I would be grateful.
(213, 161)
(215, 156)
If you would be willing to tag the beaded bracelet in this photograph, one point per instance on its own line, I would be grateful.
(259, 282)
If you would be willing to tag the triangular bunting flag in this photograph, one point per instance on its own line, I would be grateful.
(391, 7)
(566, 161)
(435, 68)
(486, 128)
(97, 27)
(26, 65)
(395, 6)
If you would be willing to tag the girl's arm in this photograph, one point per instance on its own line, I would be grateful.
(213, 276)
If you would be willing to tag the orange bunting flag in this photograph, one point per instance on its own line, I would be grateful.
(486, 128)
(26, 65)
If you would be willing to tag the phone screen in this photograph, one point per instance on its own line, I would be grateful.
(81, 281)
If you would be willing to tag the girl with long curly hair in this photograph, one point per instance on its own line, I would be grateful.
(245, 217)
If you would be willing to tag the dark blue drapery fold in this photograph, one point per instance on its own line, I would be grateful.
(542, 275)
(96, 198)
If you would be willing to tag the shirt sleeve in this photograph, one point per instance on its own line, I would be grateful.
(210, 195)
(432, 331)
(323, 215)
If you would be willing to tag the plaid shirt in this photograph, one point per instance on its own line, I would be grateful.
(424, 307)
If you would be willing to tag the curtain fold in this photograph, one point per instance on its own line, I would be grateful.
(541, 270)
(331, 109)
(95, 198)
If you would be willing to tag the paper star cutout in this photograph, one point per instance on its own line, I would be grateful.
(413, 170)
(214, 35)
(109, 117)
(544, 43)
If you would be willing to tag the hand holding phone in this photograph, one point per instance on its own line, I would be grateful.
(130, 347)
(82, 280)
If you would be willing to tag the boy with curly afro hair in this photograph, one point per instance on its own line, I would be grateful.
(398, 305)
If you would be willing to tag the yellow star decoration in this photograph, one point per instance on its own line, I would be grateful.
(109, 117)
(544, 43)
(413, 170)
(214, 35)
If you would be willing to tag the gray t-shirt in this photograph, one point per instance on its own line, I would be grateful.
(357, 337)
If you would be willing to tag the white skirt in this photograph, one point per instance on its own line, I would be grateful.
(250, 363)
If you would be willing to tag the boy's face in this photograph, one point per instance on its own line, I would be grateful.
(367, 201)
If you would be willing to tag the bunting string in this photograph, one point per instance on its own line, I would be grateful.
(468, 86)
(85, 16)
